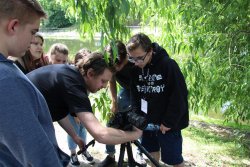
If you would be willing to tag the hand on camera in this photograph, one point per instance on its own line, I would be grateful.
(138, 132)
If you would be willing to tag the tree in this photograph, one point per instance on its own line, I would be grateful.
(57, 17)
(210, 38)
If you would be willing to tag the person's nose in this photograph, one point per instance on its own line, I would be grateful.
(40, 46)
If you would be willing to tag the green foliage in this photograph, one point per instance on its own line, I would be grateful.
(106, 17)
(101, 103)
(212, 34)
(215, 35)
(57, 17)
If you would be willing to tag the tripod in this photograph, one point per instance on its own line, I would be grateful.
(131, 161)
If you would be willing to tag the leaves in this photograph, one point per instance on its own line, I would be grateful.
(101, 103)
(212, 36)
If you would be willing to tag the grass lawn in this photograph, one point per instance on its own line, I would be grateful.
(203, 147)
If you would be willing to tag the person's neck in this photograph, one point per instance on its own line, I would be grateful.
(3, 51)
(35, 58)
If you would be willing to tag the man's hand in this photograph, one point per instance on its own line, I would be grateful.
(79, 142)
(164, 129)
(138, 132)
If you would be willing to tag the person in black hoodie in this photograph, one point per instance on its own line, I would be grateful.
(159, 92)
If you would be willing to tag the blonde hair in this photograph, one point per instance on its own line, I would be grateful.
(58, 47)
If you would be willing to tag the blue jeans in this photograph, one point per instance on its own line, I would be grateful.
(123, 102)
(79, 129)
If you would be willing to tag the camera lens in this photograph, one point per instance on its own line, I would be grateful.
(117, 121)
(136, 120)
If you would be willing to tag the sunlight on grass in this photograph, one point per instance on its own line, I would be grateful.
(213, 150)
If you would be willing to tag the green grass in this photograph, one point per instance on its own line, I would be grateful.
(214, 150)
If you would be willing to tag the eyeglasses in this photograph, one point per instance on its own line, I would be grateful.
(139, 59)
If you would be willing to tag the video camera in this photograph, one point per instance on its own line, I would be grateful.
(126, 119)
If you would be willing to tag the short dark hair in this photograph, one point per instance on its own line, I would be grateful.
(24, 10)
(95, 61)
(139, 40)
(81, 54)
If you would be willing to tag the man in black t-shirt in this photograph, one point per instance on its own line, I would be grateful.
(66, 88)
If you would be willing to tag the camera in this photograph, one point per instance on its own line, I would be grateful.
(125, 121)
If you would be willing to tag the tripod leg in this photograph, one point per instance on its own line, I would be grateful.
(144, 151)
(121, 156)
(131, 161)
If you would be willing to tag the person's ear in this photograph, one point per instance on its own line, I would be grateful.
(90, 72)
(12, 26)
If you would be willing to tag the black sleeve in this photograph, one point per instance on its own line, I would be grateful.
(177, 96)
(75, 95)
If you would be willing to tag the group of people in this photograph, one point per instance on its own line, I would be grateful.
(35, 57)
(151, 83)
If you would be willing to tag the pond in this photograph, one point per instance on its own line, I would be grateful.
(74, 45)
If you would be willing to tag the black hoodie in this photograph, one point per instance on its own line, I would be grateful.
(162, 85)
